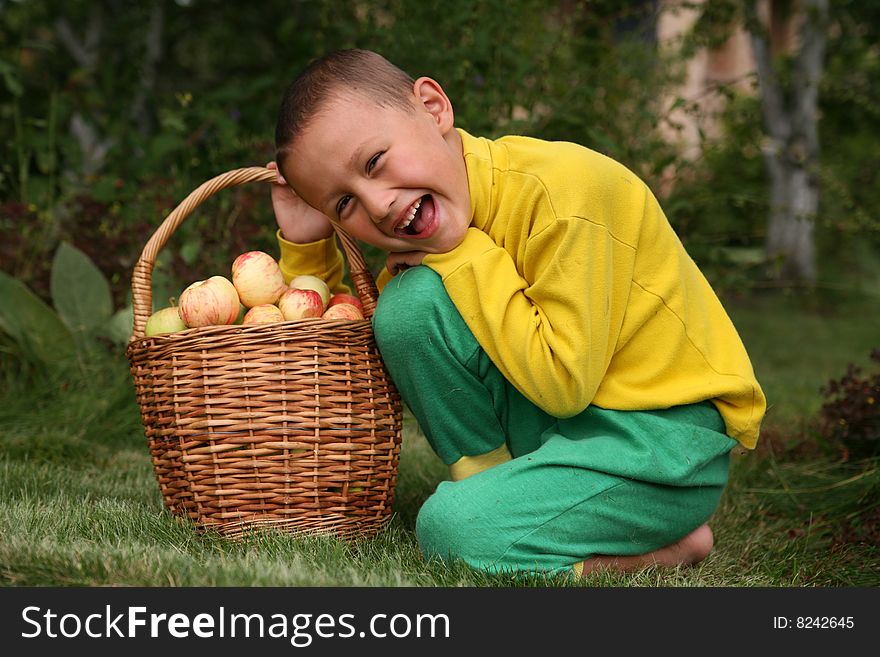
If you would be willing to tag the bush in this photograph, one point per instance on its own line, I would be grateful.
(851, 415)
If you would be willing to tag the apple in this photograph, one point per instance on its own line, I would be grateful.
(241, 313)
(165, 320)
(343, 297)
(257, 278)
(343, 311)
(308, 282)
(264, 313)
(300, 303)
(209, 302)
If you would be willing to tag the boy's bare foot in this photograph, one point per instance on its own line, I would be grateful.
(692, 549)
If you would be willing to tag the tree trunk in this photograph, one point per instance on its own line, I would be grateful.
(85, 50)
(791, 150)
(794, 201)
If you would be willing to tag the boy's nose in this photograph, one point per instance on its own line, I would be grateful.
(377, 203)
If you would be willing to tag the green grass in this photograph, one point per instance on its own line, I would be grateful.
(797, 345)
(79, 505)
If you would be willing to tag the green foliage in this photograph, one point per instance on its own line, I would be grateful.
(168, 103)
(169, 94)
(80, 291)
(36, 338)
(605, 88)
(719, 206)
(723, 202)
(30, 331)
(850, 101)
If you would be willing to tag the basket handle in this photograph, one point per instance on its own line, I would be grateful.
(142, 277)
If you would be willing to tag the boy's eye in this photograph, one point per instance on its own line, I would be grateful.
(340, 207)
(373, 161)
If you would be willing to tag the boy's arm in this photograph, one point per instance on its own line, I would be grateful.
(321, 258)
(551, 337)
(306, 240)
(298, 222)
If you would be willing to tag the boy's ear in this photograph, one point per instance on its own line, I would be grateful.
(430, 95)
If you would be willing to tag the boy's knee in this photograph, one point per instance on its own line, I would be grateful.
(449, 529)
(407, 307)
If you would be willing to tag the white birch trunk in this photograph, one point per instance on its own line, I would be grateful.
(792, 148)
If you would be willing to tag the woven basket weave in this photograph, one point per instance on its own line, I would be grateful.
(294, 425)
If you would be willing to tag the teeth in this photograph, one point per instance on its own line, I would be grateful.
(412, 214)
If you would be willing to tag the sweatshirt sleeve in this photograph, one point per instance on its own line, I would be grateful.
(551, 338)
(321, 258)
(383, 278)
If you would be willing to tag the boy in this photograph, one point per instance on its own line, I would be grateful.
(559, 349)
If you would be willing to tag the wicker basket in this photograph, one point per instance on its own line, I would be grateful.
(294, 425)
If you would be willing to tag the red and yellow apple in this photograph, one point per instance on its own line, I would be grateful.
(209, 302)
(264, 313)
(309, 282)
(344, 297)
(301, 303)
(257, 278)
(164, 320)
(343, 311)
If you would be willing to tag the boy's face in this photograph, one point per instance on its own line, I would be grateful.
(392, 178)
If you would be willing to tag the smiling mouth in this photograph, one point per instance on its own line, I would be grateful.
(414, 222)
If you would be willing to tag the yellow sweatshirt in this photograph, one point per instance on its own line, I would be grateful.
(574, 283)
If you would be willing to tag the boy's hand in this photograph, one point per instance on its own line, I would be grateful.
(299, 222)
(397, 262)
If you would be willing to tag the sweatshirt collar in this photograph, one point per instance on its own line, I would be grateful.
(477, 152)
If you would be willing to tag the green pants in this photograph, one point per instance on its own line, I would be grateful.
(603, 482)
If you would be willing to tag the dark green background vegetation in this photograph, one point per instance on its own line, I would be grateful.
(172, 93)
(177, 92)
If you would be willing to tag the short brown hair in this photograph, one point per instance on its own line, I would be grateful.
(356, 70)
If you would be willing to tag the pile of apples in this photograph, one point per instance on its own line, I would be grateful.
(258, 290)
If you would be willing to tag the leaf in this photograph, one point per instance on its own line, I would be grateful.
(13, 84)
(80, 292)
(31, 323)
(120, 326)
